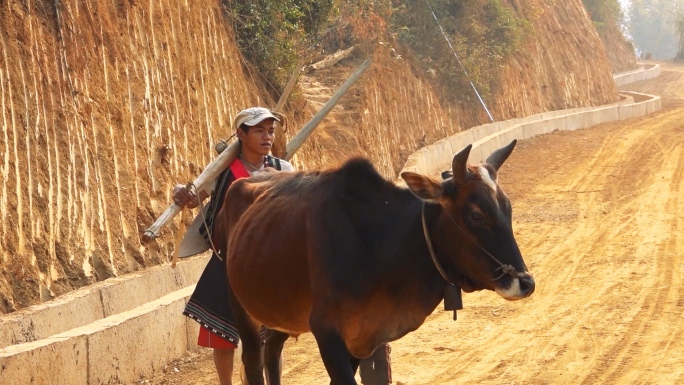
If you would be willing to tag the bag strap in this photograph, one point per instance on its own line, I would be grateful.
(273, 162)
(238, 169)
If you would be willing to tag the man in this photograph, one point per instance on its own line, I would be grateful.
(376, 369)
(209, 303)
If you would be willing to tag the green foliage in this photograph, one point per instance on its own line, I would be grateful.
(360, 23)
(604, 13)
(270, 32)
(482, 32)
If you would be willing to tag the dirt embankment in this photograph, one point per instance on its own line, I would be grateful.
(104, 106)
(562, 66)
(620, 51)
(609, 19)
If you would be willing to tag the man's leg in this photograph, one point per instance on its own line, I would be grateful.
(224, 352)
(366, 371)
(376, 369)
(223, 360)
(383, 369)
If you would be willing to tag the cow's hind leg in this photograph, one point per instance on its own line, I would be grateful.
(341, 365)
(273, 356)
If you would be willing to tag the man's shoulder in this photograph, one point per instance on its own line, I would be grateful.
(284, 165)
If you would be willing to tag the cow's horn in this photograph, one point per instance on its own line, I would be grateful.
(459, 166)
(498, 157)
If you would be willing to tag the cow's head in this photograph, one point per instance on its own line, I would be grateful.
(473, 229)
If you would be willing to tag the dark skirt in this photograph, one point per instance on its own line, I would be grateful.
(209, 304)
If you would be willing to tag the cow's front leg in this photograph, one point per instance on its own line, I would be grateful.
(340, 365)
(273, 359)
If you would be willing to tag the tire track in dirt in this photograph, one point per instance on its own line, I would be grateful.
(628, 220)
(653, 328)
(595, 245)
(604, 216)
(617, 328)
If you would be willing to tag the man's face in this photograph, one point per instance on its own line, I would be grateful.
(259, 138)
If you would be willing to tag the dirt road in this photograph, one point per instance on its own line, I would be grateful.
(599, 216)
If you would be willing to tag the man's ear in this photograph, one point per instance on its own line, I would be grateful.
(240, 133)
(422, 186)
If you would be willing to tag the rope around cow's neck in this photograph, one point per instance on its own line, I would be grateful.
(431, 249)
(506, 269)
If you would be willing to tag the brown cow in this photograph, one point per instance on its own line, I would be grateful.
(345, 254)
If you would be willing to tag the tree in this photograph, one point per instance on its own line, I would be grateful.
(604, 12)
(679, 22)
(653, 26)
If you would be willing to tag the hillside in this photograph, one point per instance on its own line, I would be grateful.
(620, 51)
(608, 18)
(106, 105)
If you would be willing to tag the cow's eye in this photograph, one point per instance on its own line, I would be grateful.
(476, 217)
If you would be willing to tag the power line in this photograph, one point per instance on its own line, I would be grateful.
(459, 62)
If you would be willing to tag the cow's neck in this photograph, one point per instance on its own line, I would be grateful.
(423, 287)
(409, 287)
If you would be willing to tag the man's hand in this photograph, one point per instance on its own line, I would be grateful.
(185, 197)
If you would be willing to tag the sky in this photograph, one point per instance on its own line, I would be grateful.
(624, 4)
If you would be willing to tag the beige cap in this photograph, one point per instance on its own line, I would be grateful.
(252, 116)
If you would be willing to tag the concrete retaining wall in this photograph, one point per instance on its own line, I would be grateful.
(120, 348)
(126, 328)
(115, 331)
(98, 301)
(489, 137)
(645, 72)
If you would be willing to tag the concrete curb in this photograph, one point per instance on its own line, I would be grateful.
(488, 137)
(121, 348)
(129, 327)
(97, 301)
(115, 331)
(637, 75)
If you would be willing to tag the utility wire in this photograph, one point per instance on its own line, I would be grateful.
(459, 62)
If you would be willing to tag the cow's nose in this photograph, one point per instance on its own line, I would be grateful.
(526, 284)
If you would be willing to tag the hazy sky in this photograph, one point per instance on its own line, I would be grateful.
(624, 4)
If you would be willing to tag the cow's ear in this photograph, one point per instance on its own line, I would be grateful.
(447, 174)
(422, 186)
